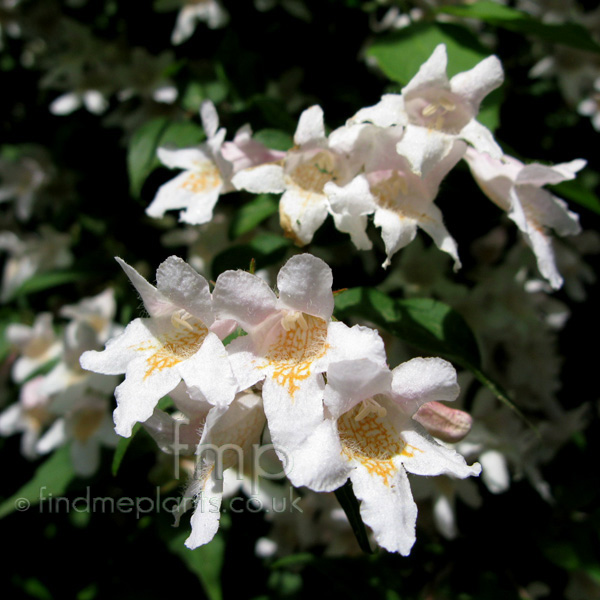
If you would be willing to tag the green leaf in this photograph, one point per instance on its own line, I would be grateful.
(274, 139)
(141, 154)
(429, 325)
(206, 562)
(400, 54)
(347, 499)
(568, 34)
(52, 279)
(574, 190)
(253, 213)
(50, 479)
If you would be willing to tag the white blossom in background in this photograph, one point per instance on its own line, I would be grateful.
(92, 100)
(518, 189)
(30, 255)
(36, 346)
(211, 12)
(29, 416)
(176, 342)
(22, 180)
(435, 112)
(87, 426)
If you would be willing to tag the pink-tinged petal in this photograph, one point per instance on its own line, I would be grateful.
(481, 138)
(474, 85)
(119, 351)
(244, 152)
(541, 208)
(139, 394)
(210, 118)
(539, 175)
(387, 507)
(397, 231)
(352, 381)
(185, 288)
(156, 304)
(318, 463)
(349, 206)
(310, 127)
(243, 297)
(422, 380)
(447, 424)
(494, 177)
(207, 513)
(304, 285)
(388, 112)
(209, 371)
(301, 213)
(424, 148)
(422, 455)
(432, 73)
(262, 179)
(183, 158)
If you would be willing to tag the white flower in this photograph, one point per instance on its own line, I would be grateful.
(370, 436)
(37, 346)
(301, 176)
(31, 255)
(517, 189)
(87, 426)
(175, 343)
(400, 200)
(29, 416)
(208, 169)
(436, 112)
(227, 440)
(291, 341)
(210, 11)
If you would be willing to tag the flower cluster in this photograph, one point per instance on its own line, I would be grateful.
(387, 161)
(331, 406)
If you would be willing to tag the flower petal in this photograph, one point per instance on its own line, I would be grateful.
(310, 126)
(304, 285)
(475, 84)
(267, 179)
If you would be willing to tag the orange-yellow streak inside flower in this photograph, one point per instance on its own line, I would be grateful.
(173, 347)
(294, 350)
(207, 177)
(373, 441)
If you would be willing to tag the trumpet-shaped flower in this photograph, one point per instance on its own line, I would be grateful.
(400, 200)
(370, 436)
(227, 440)
(517, 189)
(207, 170)
(291, 341)
(436, 112)
(210, 11)
(177, 342)
(301, 176)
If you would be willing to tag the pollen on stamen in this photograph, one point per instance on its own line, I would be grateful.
(178, 319)
(447, 104)
(291, 318)
(370, 406)
(430, 110)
